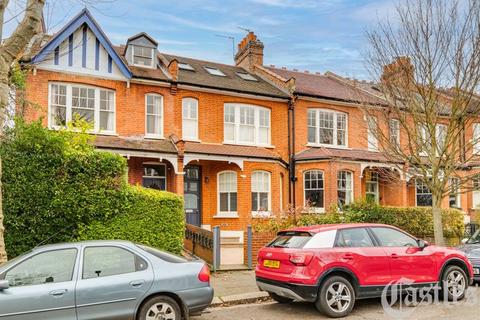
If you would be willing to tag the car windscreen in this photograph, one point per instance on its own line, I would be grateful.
(163, 255)
(475, 238)
(290, 239)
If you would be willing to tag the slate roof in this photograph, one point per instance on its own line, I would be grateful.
(137, 144)
(325, 86)
(231, 150)
(231, 81)
(321, 153)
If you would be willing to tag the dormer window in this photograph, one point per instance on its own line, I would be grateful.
(215, 71)
(142, 56)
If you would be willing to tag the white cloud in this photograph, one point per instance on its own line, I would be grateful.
(296, 3)
(374, 11)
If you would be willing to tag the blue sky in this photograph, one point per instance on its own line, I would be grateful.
(315, 35)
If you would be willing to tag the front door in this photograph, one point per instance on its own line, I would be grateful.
(192, 195)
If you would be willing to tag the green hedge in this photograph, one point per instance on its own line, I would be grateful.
(416, 220)
(154, 218)
(56, 184)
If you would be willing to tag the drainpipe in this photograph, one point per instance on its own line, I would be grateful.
(291, 147)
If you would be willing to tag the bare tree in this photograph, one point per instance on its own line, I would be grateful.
(427, 61)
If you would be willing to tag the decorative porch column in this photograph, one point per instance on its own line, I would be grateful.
(179, 181)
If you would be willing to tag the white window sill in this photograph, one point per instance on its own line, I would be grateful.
(310, 144)
(156, 137)
(268, 146)
(100, 133)
(227, 216)
(191, 140)
(261, 214)
(313, 210)
(373, 150)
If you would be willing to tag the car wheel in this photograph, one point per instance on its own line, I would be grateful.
(336, 297)
(454, 283)
(278, 298)
(160, 308)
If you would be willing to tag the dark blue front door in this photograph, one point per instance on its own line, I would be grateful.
(192, 195)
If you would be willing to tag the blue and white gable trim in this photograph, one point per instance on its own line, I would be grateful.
(82, 47)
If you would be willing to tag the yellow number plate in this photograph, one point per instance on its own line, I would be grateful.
(271, 264)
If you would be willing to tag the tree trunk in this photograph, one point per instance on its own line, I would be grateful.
(437, 220)
(3, 251)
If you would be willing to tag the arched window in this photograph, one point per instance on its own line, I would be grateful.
(154, 115)
(314, 189)
(261, 191)
(227, 193)
(190, 119)
(344, 188)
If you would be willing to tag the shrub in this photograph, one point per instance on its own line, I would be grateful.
(416, 220)
(56, 185)
(154, 218)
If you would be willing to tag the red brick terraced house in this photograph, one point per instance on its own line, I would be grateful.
(237, 141)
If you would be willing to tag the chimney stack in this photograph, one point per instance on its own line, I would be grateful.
(250, 52)
(399, 72)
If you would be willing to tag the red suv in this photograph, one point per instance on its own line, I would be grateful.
(332, 265)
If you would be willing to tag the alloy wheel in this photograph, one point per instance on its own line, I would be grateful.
(338, 297)
(456, 284)
(161, 311)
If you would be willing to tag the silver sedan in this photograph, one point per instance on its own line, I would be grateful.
(102, 280)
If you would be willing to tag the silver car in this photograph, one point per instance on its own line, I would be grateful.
(102, 280)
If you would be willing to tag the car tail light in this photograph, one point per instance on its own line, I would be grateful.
(301, 259)
(204, 275)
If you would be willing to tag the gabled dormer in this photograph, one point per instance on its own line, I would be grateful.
(81, 47)
(141, 51)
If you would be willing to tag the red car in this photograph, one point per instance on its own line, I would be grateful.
(332, 265)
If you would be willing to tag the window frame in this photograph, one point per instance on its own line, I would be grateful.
(196, 138)
(69, 106)
(226, 214)
(82, 268)
(75, 267)
(457, 195)
(476, 192)
(394, 137)
(152, 57)
(351, 198)
(375, 182)
(155, 164)
(162, 122)
(335, 128)
(475, 138)
(256, 125)
(269, 193)
(314, 209)
(416, 193)
(372, 129)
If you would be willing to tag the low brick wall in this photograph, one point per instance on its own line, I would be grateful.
(259, 240)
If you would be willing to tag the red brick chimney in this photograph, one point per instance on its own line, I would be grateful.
(400, 71)
(250, 52)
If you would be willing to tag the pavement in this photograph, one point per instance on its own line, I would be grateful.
(235, 287)
(364, 309)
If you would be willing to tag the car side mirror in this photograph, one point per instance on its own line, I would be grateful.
(422, 244)
(4, 284)
(464, 240)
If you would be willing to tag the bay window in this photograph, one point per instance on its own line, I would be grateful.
(260, 191)
(154, 115)
(344, 188)
(314, 190)
(227, 193)
(327, 127)
(246, 124)
(72, 102)
(190, 118)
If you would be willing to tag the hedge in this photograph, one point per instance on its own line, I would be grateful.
(153, 218)
(56, 184)
(418, 221)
